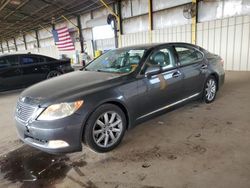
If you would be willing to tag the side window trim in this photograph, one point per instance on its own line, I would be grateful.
(188, 47)
(172, 58)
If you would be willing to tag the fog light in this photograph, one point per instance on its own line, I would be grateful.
(53, 144)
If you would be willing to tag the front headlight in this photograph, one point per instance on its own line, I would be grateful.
(58, 111)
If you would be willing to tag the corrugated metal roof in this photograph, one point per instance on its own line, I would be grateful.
(20, 16)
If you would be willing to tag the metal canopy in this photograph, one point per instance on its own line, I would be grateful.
(21, 16)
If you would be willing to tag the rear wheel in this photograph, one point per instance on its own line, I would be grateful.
(105, 128)
(52, 74)
(210, 89)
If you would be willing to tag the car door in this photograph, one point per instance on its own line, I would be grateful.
(10, 73)
(32, 69)
(159, 91)
(193, 67)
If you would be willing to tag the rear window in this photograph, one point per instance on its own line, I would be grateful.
(12, 60)
(188, 55)
(9, 61)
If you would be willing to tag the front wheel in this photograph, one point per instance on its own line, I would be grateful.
(53, 74)
(210, 89)
(105, 128)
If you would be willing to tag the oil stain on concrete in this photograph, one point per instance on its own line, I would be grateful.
(34, 168)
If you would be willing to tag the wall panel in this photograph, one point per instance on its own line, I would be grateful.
(229, 37)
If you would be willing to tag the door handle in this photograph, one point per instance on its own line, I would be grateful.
(176, 74)
(204, 66)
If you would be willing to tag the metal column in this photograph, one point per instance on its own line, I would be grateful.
(14, 39)
(8, 46)
(2, 47)
(150, 20)
(117, 18)
(25, 43)
(194, 22)
(37, 39)
(79, 25)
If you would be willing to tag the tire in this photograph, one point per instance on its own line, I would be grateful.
(210, 89)
(105, 128)
(53, 74)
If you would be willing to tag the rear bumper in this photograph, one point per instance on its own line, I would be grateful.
(39, 134)
(221, 80)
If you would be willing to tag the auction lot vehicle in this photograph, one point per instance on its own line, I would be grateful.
(22, 70)
(116, 91)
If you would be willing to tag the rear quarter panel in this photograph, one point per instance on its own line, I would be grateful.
(215, 66)
(62, 66)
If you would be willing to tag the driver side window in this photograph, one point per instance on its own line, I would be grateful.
(161, 57)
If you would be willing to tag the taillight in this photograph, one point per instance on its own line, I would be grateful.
(222, 62)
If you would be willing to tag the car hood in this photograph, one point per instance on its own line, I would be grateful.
(69, 86)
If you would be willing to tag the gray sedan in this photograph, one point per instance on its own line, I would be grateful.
(118, 90)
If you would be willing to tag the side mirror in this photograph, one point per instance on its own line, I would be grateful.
(152, 70)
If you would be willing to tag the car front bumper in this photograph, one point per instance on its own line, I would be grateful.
(65, 134)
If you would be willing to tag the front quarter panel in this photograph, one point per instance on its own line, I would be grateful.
(124, 95)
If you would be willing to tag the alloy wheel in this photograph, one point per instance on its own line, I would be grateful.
(107, 129)
(210, 89)
(53, 74)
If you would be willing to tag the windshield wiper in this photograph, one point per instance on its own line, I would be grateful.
(101, 70)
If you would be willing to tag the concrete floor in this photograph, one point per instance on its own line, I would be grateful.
(197, 145)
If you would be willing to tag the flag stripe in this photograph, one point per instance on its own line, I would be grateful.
(65, 45)
(68, 49)
(63, 39)
(64, 42)
(63, 35)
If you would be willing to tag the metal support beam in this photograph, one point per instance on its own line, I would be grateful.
(150, 19)
(2, 47)
(53, 28)
(119, 13)
(8, 46)
(14, 39)
(194, 22)
(4, 4)
(117, 18)
(116, 30)
(68, 20)
(17, 8)
(46, 28)
(79, 25)
(37, 39)
(25, 43)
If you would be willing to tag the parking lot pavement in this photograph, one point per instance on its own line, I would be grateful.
(197, 145)
(8, 137)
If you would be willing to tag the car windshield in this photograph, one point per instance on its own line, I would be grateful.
(117, 61)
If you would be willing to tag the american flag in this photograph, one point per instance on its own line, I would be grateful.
(62, 39)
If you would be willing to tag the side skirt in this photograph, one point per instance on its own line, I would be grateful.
(168, 106)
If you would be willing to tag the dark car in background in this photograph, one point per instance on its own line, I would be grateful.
(118, 90)
(22, 70)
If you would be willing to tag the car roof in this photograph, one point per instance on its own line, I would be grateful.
(153, 45)
(7, 55)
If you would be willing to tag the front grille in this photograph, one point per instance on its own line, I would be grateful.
(24, 111)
